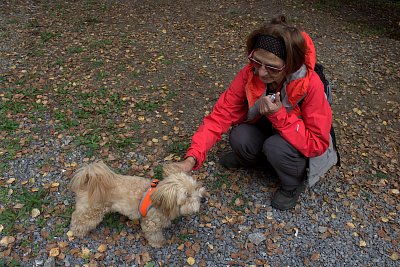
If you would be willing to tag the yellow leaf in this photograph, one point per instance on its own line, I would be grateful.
(102, 248)
(18, 206)
(70, 233)
(155, 140)
(394, 191)
(35, 212)
(384, 219)
(55, 184)
(73, 164)
(394, 256)
(384, 123)
(191, 261)
(333, 216)
(363, 243)
(54, 252)
(141, 118)
(85, 252)
(10, 181)
(169, 157)
(7, 240)
(351, 225)
(181, 247)
(356, 110)
(1, 228)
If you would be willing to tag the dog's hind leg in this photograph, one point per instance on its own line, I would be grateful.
(87, 218)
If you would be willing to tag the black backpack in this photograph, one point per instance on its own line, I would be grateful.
(319, 69)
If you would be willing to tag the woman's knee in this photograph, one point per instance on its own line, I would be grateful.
(245, 135)
(275, 148)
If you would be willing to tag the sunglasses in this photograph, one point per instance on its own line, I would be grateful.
(257, 64)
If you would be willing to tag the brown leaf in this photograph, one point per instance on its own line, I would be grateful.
(315, 256)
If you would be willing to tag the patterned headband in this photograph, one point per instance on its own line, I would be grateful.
(271, 44)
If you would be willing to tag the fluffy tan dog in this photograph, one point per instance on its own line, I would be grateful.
(99, 191)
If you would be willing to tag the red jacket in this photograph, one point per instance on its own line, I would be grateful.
(306, 129)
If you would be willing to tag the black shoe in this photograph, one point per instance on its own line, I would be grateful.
(230, 161)
(286, 199)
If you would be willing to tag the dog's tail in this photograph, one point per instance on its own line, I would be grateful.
(96, 179)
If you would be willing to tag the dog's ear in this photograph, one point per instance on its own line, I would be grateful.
(165, 197)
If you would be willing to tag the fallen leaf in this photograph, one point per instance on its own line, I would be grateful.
(85, 252)
(394, 191)
(35, 212)
(5, 241)
(384, 219)
(363, 243)
(394, 256)
(70, 234)
(191, 261)
(10, 181)
(54, 252)
(315, 256)
(1, 228)
(102, 248)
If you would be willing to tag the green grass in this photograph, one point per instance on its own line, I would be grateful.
(90, 142)
(381, 175)
(7, 124)
(125, 142)
(33, 24)
(59, 62)
(47, 36)
(100, 43)
(113, 221)
(75, 49)
(9, 263)
(146, 105)
(65, 121)
(30, 200)
(102, 75)
(11, 145)
(238, 208)
(220, 179)
(158, 172)
(178, 147)
(184, 237)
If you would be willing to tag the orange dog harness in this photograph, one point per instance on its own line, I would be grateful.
(145, 203)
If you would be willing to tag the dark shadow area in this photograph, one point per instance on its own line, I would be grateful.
(380, 17)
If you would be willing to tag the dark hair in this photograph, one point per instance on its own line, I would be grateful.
(290, 35)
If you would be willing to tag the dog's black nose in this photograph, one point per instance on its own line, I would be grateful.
(203, 200)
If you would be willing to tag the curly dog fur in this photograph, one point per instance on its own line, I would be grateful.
(99, 191)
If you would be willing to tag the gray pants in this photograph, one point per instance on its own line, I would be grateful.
(258, 144)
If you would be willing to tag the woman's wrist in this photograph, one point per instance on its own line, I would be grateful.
(192, 160)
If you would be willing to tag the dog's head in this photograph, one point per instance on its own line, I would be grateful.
(178, 194)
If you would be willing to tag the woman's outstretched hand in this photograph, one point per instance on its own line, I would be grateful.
(269, 106)
(186, 165)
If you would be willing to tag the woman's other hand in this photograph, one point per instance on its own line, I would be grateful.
(269, 106)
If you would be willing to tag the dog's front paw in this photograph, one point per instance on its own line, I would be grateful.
(78, 232)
